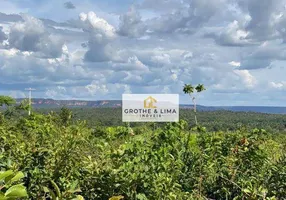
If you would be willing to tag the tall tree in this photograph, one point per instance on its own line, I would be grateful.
(189, 89)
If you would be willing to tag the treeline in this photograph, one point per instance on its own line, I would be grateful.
(212, 120)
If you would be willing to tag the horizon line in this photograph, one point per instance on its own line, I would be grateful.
(179, 104)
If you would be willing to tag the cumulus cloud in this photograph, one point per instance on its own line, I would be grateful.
(96, 88)
(131, 24)
(263, 55)
(281, 24)
(3, 36)
(192, 16)
(156, 46)
(57, 92)
(133, 64)
(259, 21)
(99, 51)
(31, 35)
(69, 5)
(248, 80)
(233, 35)
(125, 77)
(161, 59)
(19, 68)
(91, 89)
(99, 27)
(254, 63)
(101, 33)
(262, 13)
(278, 85)
(6, 18)
(235, 64)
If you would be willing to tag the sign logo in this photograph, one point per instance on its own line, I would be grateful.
(149, 102)
(150, 107)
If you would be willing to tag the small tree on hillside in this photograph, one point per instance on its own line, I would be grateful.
(5, 101)
(66, 116)
(189, 89)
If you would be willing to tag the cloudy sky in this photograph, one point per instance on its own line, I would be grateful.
(95, 49)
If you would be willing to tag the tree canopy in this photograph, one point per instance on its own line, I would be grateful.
(7, 101)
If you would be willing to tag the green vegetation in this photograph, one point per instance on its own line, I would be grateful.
(62, 157)
(7, 178)
(212, 120)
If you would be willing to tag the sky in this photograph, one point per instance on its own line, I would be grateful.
(98, 50)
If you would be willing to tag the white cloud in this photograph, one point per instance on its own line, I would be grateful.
(131, 24)
(32, 35)
(174, 77)
(57, 92)
(263, 14)
(99, 27)
(9, 52)
(235, 64)
(187, 19)
(233, 35)
(279, 85)
(96, 88)
(133, 64)
(163, 59)
(3, 36)
(248, 80)
(101, 34)
(263, 56)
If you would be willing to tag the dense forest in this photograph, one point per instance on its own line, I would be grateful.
(212, 120)
(89, 154)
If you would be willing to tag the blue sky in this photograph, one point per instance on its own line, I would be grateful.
(94, 49)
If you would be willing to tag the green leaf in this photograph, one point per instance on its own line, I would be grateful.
(58, 192)
(116, 198)
(73, 187)
(5, 174)
(141, 196)
(17, 177)
(51, 193)
(2, 196)
(16, 191)
(79, 197)
(46, 190)
(246, 191)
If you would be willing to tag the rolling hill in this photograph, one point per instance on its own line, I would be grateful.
(51, 103)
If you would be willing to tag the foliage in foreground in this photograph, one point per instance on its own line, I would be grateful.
(8, 191)
(63, 159)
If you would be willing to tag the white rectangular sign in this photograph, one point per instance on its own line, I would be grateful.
(150, 107)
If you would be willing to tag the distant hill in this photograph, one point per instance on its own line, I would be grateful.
(51, 103)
